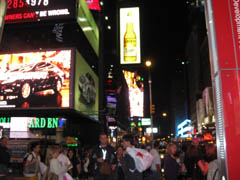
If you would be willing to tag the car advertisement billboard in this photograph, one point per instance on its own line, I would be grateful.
(86, 88)
(136, 93)
(130, 51)
(35, 79)
(36, 10)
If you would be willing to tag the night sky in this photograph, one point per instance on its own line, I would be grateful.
(163, 39)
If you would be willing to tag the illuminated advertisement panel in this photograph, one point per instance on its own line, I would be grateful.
(35, 79)
(136, 93)
(20, 126)
(36, 10)
(93, 4)
(184, 129)
(130, 36)
(3, 5)
(86, 88)
(88, 25)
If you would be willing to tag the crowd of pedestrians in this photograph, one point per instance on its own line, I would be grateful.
(193, 161)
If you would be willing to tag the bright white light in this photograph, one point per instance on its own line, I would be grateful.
(149, 130)
(106, 18)
(81, 19)
(101, 3)
(88, 28)
(109, 27)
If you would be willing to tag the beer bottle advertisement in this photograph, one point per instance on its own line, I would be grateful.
(129, 36)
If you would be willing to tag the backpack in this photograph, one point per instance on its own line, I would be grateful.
(32, 168)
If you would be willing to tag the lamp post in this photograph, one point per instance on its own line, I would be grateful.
(148, 64)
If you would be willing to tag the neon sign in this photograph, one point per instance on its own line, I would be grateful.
(5, 119)
(45, 123)
(36, 10)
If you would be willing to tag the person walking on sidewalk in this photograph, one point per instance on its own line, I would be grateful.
(102, 160)
(156, 164)
(130, 171)
(4, 157)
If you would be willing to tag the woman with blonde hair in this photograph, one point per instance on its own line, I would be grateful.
(54, 165)
(171, 168)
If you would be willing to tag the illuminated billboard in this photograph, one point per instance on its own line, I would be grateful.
(35, 79)
(184, 129)
(20, 127)
(37, 10)
(88, 25)
(130, 50)
(93, 4)
(3, 5)
(136, 93)
(86, 88)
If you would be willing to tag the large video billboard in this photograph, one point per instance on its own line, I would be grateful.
(130, 50)
(86, 88)
(136, 93)
(37, 10)
(35, 79)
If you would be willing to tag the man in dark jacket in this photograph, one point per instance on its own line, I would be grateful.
(102, 160)
(4, 157)
(130, 171)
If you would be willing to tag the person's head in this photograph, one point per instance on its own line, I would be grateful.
(52, 152)
(4, 141)
(211, 151)
(195, 142)
(128, 141)
(156, 145)
(120, 150)
(103, 139)
(148, 147)
(35, 147)
(171, 148)
(71, 153)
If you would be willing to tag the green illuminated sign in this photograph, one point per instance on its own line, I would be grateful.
(5, 119)
(87, 23)
(44, 123)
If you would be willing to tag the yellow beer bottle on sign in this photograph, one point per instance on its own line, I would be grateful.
(130, 41)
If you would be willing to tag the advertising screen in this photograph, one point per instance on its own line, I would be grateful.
(136, 93)
(3, 5)
(36, 10)
(35, 79)
(86, 88)
(130, 36)
(93, 4)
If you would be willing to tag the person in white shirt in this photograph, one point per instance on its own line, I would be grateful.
(31, 166)
(156, 164)
(54, 164)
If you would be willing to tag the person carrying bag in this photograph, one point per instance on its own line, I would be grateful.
(32, 164)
